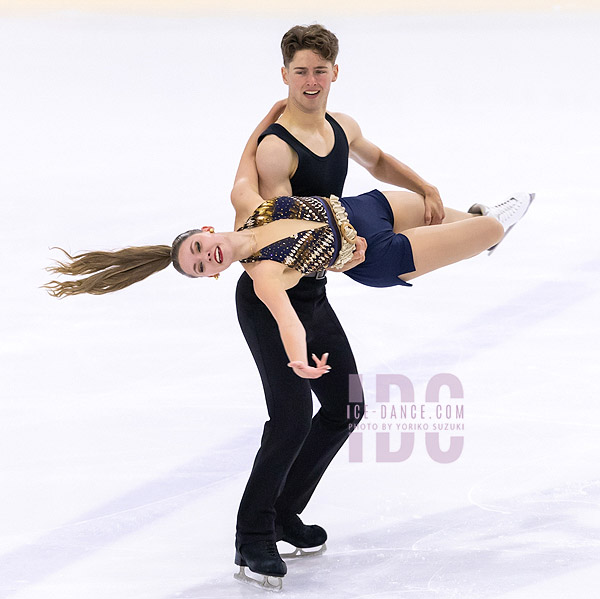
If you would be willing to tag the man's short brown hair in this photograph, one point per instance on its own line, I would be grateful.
(311, 37)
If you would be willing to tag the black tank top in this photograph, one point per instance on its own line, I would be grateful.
(316, 175)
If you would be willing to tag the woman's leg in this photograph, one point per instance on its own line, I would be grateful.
(440, 245)
(409, 211)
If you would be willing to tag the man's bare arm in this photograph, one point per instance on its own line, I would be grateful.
(275, 162)
(245, 193)
(388, 169)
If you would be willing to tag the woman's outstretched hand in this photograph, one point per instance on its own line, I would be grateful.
(303, 370)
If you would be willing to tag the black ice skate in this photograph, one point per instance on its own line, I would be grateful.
(261, 557)
(308, 540)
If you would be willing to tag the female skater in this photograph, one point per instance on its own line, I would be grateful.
(372, 238)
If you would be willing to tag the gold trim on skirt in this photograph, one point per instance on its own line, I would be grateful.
(347, 232)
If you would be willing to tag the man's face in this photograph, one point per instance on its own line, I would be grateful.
(309, 78)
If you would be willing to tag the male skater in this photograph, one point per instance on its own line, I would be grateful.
(305, 153)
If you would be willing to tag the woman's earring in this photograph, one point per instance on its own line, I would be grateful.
(210, 230)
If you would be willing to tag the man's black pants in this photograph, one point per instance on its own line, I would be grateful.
(296, 447)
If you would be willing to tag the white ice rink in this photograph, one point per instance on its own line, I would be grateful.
(129, 422)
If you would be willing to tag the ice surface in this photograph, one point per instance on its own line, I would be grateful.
(128, 423)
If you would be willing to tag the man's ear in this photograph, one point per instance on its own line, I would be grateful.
(335, 72)
(284, 75)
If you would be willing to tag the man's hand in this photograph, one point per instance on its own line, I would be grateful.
(277, 109)
(358, 257)
(434, 209)
(303, 370)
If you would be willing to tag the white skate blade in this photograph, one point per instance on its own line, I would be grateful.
(305, 552)
(494, 247)
(267, 583)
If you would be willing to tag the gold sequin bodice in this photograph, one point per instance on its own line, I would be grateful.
(307, 251)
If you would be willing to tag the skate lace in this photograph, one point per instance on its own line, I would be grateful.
(507, 210)
(507, 207)
(271, 548)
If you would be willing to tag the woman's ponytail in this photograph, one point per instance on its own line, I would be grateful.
(108, 271)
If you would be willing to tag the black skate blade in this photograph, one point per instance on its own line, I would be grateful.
(494, 247)
(305, 552)
(267, 583)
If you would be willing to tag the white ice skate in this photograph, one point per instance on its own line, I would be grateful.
(508, 213)
(268, 583)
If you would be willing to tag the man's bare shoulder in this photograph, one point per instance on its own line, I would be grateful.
(272, 142)
(348, 124)
(276, 163)
(273, 150)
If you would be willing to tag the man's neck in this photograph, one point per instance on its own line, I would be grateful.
(294, 117)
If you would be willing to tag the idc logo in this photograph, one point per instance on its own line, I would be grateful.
(408, 421)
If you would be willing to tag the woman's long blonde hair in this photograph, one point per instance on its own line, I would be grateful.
(112, 271)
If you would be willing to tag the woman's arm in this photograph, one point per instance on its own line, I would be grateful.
(271, 291)
(244, 195)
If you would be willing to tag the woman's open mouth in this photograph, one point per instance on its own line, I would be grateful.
(218, 255)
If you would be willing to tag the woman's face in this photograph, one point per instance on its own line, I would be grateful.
(205, 254)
